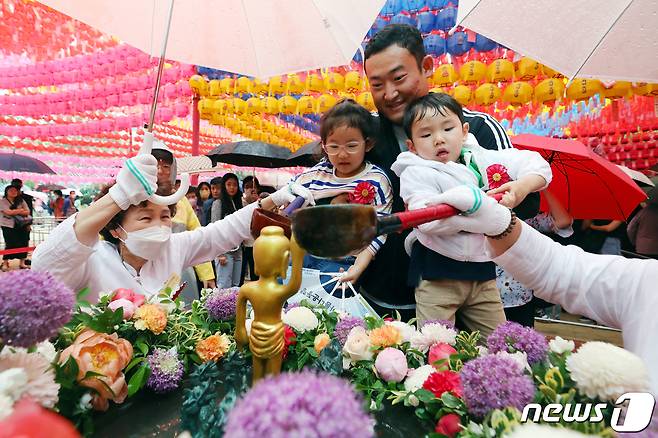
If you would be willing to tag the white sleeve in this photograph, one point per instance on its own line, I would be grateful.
(64, 256)
(520, 163)
(608, 289)
(206, 243)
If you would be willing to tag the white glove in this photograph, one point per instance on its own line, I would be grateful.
(287, 194)
(482, 214)
(136, 182)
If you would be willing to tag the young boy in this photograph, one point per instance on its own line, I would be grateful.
(449, 267)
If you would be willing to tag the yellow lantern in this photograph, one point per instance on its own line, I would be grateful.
(501, 70)
(325, 102)
(581, 89)
(199, 85)
(344, 95)
(257, 135)
(271, 105)
(486, 94)
(305, 105)
(254, 105)
(295, 84)
(353, 81)
(550, 73)
(287, 105)
(526, 69)
(230, 123)
(444, 75)
(217, 119)
(463, 94)
(334, 82)
(644, 89)
(205, 108)
(472, 72)
(549, 90)
(239, 106)
(229, 107)
(365, 100)
(518, 93)
(259, 87)
(214, 89)
(617, 90)
(282, 132)
(226, 85)
(277, 86)
(219, 106)
(314, 83)
(243, 85)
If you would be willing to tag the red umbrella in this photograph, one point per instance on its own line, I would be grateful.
(589, 186)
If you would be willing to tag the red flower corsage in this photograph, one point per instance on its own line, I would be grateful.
(497, 175)
(364, 193)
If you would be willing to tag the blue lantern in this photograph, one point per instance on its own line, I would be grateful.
(389, 8)
(435, 5)
(377, 26)
(446, 18)
(434, 44)
(415, 5)
(484, 44)
(403, 19)
(458, 44)
(426, 21)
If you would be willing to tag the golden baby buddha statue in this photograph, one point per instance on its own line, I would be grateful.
(272, 253)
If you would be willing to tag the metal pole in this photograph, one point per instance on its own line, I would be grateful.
(196, 120)
(149, 128)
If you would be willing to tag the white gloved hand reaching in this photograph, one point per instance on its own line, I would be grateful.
(136, 182)
(288, 193)
(480, 213)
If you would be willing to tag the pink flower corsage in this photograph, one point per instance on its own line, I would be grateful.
(497, 175)
(364, 193)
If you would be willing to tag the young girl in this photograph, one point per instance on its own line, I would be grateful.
(229, 265)
(343, 176)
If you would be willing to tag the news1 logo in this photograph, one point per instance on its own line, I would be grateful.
(638, 413)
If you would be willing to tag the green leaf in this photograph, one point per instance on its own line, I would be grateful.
(135, 361)
(450, 401)
(424, 395)
(138, 380)
(142, 347)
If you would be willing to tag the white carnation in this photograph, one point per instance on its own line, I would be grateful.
(6, 406)
(47, 350)
(432, 334)
(519, 357)
(13, 383)
(407, 331)
(417, 377)
(605, 371)
(532, 430)
(560, 346)
(301, 319)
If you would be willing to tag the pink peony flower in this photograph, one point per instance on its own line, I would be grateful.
(440, 351)
(391, 365)
(127, 306)
(128, 294)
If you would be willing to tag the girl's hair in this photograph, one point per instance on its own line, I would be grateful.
(7, 188)
(433, 104)
(229, 207)
(347, 113)
(114, 223)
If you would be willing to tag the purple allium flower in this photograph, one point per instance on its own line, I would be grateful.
(166, 370)
(300, 404)
(495, 382)
(443, 322)
(221, 304)
(512, 337)
(344, 325)
(292, 305)
(33, 306)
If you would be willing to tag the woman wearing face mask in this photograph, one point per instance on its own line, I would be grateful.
(139, 252)
(229, 264)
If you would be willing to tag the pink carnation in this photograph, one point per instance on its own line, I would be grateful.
(391, 364)
(440, 351)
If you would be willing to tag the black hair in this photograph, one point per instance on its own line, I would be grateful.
(164, 155)
(401, 35)
(58, 192)
(438, 103)
(114, 223)
(252, 181)
(17, 182)
(11, 186)
(229, 207)
(216, 181)
(203, 184)
(191, 189)
(347, 113)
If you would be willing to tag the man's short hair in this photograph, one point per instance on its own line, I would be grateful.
(17, 182)
(216, 181)
(164, 155)
(402, 35)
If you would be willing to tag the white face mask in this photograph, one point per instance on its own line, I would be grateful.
(148, 242)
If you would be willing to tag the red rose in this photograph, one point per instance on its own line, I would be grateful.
(289, 338)
(128, 294)
(440, 351)
(497, 175)
(449, 425)
(441, 381)
(364, 193)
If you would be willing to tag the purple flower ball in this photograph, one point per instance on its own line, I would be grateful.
(221, 304)
(344, 326)
(292, 305)
(303, 404)
(166, 370)
(512, 337)
(443, 322)
(33, 306)
(494, 382)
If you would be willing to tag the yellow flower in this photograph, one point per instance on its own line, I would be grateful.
(385, 336)
(151, 317)
(213, 347)
(321, 341)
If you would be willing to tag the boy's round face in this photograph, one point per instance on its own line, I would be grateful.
(438, 137)
(346, 149)
(396, 81)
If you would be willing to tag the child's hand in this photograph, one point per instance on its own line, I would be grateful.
(514, 193)
(351, 275)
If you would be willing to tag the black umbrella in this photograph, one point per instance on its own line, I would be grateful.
(251, 154)
(21, 163)
(308, 155)
(49, 187)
